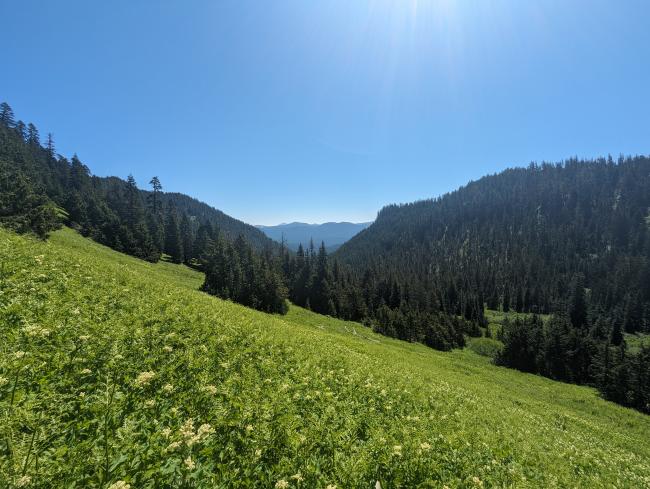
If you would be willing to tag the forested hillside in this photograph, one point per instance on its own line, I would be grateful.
(40, 190)
(520, 238)
(230, 397)
(240, 262)
(112, 211)
(570, 239)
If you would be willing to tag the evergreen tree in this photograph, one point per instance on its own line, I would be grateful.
(49, 146)
(22, 207)
(187, 236)
(156, 189)
(6, 115)
(32, 135)
(578, 308)
(21, 130)
(173, 241)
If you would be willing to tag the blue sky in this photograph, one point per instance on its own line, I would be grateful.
(327, 110)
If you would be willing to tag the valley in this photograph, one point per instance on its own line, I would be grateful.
(115, 369)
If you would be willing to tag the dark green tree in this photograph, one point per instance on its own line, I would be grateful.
(173, 241)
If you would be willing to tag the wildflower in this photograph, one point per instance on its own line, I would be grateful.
(144, 378)
(281, 484)
(86, 371)
(120, 485)
(205, 430)
(24, 481)
(173, 446)
(258, 453)
(189, 463)
(331, 486)
(297, 477)
(425, 446)
(210, 389)
(168, 388)
(187, 430)
(168, 348)
(34, 330)
(19, 354)
(84, 337)
(383, 392)
(3, 381)
(249, 427)
(477, 482)
(150, 403)
(75, 311)
(397, 450)
(167, 432)
(82, 394)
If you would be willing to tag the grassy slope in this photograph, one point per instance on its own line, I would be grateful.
(300, 394)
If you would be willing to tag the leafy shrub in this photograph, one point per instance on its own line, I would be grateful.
(486, 347)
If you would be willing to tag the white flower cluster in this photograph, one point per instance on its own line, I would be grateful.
(192, 437)
(33, 330)
(120, 485)
(144, 378)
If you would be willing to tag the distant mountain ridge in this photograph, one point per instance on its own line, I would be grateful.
(333, 234)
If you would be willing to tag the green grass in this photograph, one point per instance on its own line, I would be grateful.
(636, 341)
(112, 369)
(496, 319)
(487, 347)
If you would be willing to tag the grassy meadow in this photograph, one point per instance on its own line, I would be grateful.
(116, 373)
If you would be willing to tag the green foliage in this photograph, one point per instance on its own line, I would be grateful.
(379, 300)
(486, 347)
(22, 207)
(114, 369)
(561, 350)
(532, 240)
(109, 210)
(234, 271)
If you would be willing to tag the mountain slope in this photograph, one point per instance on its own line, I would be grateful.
(333, 234)
(111, 210)
(114, 369)
(520, 238)
(199, 211)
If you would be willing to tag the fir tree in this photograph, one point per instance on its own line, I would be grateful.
(6, 115)
(32, 135)
(173, 242)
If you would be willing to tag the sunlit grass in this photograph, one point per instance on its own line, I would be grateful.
(116, 371)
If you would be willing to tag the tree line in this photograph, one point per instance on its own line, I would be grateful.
(240, 264)
(317, 282)
(41, 190)
(571, 240)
